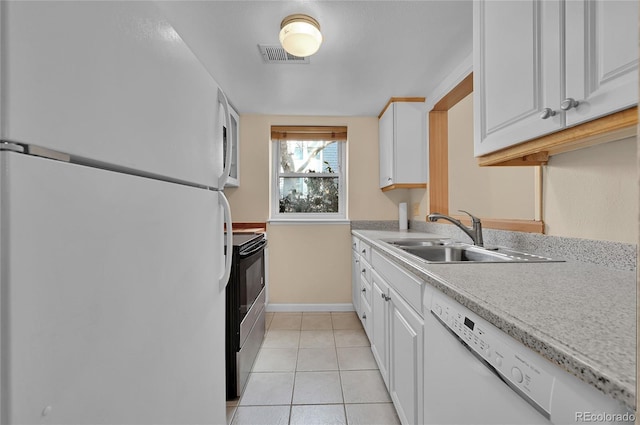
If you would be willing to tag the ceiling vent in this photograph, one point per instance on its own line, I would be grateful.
(276, 54)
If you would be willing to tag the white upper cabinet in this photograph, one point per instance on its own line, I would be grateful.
(517, 71)
(110, 82)
(386, 136)
(526, 71)
(601, 57)
(403, 145)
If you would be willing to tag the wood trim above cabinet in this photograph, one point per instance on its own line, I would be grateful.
(404, 186)
(439, 162)
(459, 92)
(609, 128)
(513, 225)
(400, 99)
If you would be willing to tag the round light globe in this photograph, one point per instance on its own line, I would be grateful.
(300, 35)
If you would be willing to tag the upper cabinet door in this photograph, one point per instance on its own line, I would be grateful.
(544, 65)
(517, 71)
(110, 82)
(601, 57)
(403, 149)
(386, 141)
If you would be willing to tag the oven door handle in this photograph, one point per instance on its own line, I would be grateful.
(258, 247)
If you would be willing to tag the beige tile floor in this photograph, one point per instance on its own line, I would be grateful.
(314, 368)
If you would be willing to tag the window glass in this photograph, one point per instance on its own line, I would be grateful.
(308, 156)
(308, 182)
(309, 195)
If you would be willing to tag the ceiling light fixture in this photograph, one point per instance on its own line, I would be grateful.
(300, 35)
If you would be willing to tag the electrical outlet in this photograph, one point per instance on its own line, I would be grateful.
(416, 209)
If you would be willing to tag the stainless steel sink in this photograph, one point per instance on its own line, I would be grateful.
(456, 253)
(445, 251)
(408, 243)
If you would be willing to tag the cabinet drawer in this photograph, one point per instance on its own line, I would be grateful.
(409, 287)
(365, 290)
(355, 244)
(365, 270)
(365, 251)
(365, 315)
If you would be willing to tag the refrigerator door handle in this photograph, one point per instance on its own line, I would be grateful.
(224, 279)
(222, 180)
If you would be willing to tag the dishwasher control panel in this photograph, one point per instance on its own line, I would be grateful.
(500, 354)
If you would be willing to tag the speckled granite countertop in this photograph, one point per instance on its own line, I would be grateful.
(579, 316)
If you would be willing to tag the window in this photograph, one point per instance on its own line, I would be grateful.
(308, 181)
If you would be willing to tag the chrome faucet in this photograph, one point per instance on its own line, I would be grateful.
(475, 232)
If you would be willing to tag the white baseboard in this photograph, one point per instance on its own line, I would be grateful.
(308, 307)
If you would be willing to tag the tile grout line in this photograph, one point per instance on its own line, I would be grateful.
(344, 405)
(295, 371)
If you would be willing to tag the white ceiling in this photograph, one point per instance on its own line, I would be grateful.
(372, 50)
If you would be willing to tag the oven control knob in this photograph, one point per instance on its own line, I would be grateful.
(438, 310)
(516, 374)
(499, 360)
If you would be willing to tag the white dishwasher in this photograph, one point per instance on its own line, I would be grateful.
(476, 374)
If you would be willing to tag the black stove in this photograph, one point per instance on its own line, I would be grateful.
(241, 239)
(245, 304)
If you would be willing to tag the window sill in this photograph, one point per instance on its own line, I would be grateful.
(303, 221)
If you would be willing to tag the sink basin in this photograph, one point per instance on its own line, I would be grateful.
(408, 243)
(446, 251)
(456, 253)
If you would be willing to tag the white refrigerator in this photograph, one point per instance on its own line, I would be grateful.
(112, 266)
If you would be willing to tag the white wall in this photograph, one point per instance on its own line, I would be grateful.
(250, 202)
(311, 264)
(592, 193)
(490, 192)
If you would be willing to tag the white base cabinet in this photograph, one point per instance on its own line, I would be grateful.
(391, 313)
(361, 282)
(355, 282)
(380, 324)
(406, 356)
